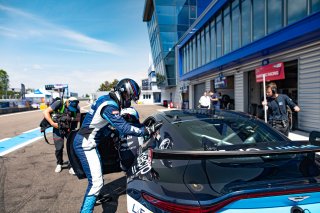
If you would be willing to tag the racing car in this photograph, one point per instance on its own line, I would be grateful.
(217, 161)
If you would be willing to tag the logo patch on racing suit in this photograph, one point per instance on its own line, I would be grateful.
(115, 112)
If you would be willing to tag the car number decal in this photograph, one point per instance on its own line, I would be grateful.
(143, 165)
(134, 206)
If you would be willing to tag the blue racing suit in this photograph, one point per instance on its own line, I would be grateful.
(96, 125)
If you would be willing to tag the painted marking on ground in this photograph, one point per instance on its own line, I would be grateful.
(84, 108)
(17, 113)
(32, 130)
(4, 139)
(11, 144)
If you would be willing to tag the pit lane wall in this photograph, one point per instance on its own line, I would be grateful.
(15, 109)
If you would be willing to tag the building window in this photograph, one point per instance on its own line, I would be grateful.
(219, 36)
(213, 39)
(198, 51)
(194, 53)
(203, 48)
(191, 54)
(188, 57)
(275, 15)
(245, 22)
(207, 35)
(226, 30)
(297, 9)
(193, 12)
(184, 60)
(258, 19)
(315, 6)
(235, 25)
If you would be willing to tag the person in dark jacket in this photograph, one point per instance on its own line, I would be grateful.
(58, 107)
(102, 120)
(277, 108)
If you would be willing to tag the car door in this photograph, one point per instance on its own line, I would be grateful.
(108, 155)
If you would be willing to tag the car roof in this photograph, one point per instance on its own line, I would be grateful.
(173, 116)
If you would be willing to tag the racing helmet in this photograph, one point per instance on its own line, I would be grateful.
(127, 90)
(130, 115)
(73, 104)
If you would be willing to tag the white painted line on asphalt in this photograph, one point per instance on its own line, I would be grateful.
(17, 113)
(32, 130)
(4, 139)
(20, 145)
(83, 108)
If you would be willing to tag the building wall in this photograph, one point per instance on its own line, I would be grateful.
(309, 88)
(308, 82)
(239, 91)
(201, 56)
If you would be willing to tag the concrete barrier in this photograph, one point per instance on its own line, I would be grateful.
(15, 109)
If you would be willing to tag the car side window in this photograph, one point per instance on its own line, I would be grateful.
(226, 132)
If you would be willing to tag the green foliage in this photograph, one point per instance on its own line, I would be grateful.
(4, 80)
(107, 86)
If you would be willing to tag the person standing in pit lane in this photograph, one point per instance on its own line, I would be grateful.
(58, 107)
(204, 101)
(277, 108)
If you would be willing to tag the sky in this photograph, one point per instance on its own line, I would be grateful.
(81, 43)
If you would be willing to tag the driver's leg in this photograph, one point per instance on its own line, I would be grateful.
(92, 167)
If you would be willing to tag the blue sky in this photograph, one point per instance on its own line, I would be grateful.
(81, 43)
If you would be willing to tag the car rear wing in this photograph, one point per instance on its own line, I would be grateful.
(249, 152)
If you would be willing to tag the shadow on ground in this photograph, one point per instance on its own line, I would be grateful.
(115, 189)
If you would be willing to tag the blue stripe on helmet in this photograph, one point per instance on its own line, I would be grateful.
(134, 88)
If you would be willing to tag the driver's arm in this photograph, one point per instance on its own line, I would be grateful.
(112, 115)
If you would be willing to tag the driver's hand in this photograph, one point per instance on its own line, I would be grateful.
(150, 130)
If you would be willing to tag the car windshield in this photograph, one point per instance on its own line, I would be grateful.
(225, 129)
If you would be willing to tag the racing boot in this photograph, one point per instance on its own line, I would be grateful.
(102, 198)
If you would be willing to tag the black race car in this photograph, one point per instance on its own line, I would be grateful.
(215, 161)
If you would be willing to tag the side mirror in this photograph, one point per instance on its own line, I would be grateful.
(314, 138)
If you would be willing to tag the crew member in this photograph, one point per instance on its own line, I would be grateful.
(128, 146)
(102, 119)
(277, 108)
(56, 109)
(215, 99)
(204, 101)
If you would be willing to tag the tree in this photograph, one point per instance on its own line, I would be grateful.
(4, 81)
(107, 86)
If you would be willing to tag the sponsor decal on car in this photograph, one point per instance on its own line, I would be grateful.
(134, 206)
(143, 165)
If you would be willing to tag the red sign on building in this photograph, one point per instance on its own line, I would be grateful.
(272, 72)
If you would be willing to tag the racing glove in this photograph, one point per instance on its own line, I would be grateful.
(150, 130)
